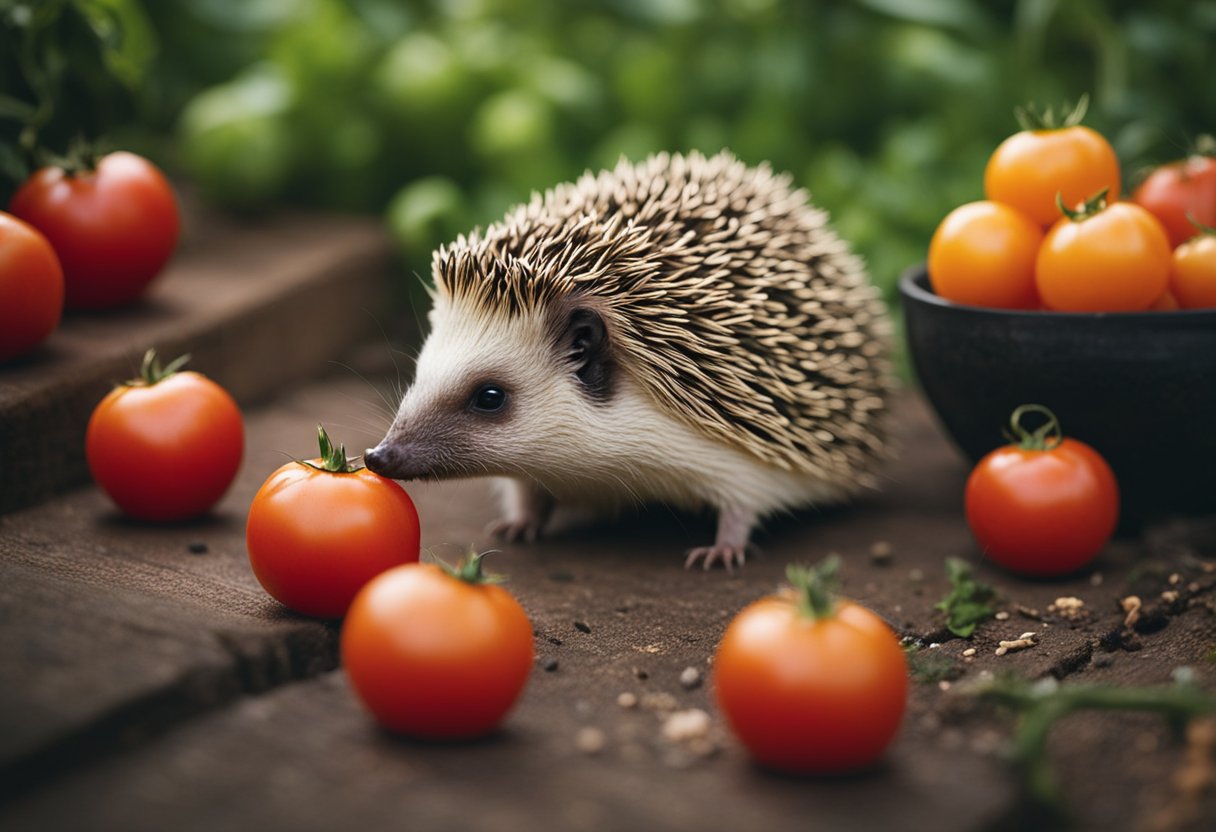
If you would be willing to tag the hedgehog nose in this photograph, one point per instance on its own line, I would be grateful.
(384, 459)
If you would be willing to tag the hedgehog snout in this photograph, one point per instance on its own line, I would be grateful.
(397, 460)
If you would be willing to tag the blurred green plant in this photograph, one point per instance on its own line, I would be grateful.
(445, 112)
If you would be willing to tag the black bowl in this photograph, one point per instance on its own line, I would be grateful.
(1140, 387)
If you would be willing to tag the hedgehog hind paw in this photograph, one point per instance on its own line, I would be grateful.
(728, 555)
(525, 530)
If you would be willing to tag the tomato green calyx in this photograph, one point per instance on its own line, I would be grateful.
(1096, 204)
(150, 371)
(83, 157)
(815, 586)
(1031, 118)
(469, 570)
(1044, 438)
(1203, 229)
(333, 459)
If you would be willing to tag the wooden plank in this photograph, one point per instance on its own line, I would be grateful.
(245, 300)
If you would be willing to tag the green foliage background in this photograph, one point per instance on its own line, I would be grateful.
(441, 114)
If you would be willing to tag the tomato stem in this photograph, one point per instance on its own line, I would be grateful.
(1044, 438)
(469, 570)
(815, 586)
(1031, 118)
(1094, 205)
(150, 371)
(333, 460)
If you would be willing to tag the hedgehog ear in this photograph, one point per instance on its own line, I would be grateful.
(585, 346)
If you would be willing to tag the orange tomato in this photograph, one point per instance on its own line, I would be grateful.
(319, 530)
(1108, 258)
(1030, 168)
(811, 684)
(983, 254)
(165, 446)
(1193, 272)
(437, 653)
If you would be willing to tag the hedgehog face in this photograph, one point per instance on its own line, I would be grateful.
(498, 395)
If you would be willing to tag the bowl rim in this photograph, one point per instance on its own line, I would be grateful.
(914, 285)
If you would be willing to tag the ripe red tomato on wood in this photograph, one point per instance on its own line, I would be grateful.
(167, 445)
(114, 227)
(811, 684)
(31, 288)
(1103, 258)
(1044, 506)
(1178, 191)
(437, 653)
(318, 530)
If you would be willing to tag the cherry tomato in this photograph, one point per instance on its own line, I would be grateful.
(1173, 191)
(1044, 506)
(1030, 168)
(1103, 258)
(114, 227)
(165, 446)
(31, 288)
(437, 653)
(983, 254)
(319, 530)
(811, 684)
(1193, 272)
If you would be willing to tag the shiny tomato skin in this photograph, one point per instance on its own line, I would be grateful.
(166, 451)
(1179, 188)
(434, 657)
(983, 254)
(1193, 273)
(811, 696)
(1042, 512)
(316, 537)
(1117, 260)
(113, 228)
(1029, 168)
(31, 288)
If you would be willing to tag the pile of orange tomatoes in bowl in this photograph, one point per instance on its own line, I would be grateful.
(1055, 234)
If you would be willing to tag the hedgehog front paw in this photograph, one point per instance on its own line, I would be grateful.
(728, 556)
(515, 530)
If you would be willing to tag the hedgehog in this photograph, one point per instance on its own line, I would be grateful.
(686, 331)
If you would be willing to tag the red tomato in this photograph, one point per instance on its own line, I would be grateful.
(1105, 258)
(165, 446)
(983, 254)
(113, 228)
(808, 683)
(1045, 506)
(1030, 168)
(1193, 273)
(437, 653)
(1173, 191)
(31, 288)
(319, 530)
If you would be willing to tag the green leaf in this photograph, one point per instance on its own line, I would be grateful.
(967, 604)
(127, 40)
(15, 108)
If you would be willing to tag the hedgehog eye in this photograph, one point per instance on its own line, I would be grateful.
(489, 398)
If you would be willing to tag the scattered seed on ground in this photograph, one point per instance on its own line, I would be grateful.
(690, 678)
(1028, 612)
(627, 700)
(1131, 605)
(1170, 596)
(1020, 643)
(880, 553)
(550, 665)
(1001, 616)
(1068, 607)
(1175, 579)
(590, 740)
(969, 652)
(943, 685)
(196, 547)
(686, 725)
(659, 701)
(581, 627)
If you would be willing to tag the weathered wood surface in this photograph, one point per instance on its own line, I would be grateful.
(260, 305)
(146, 687)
